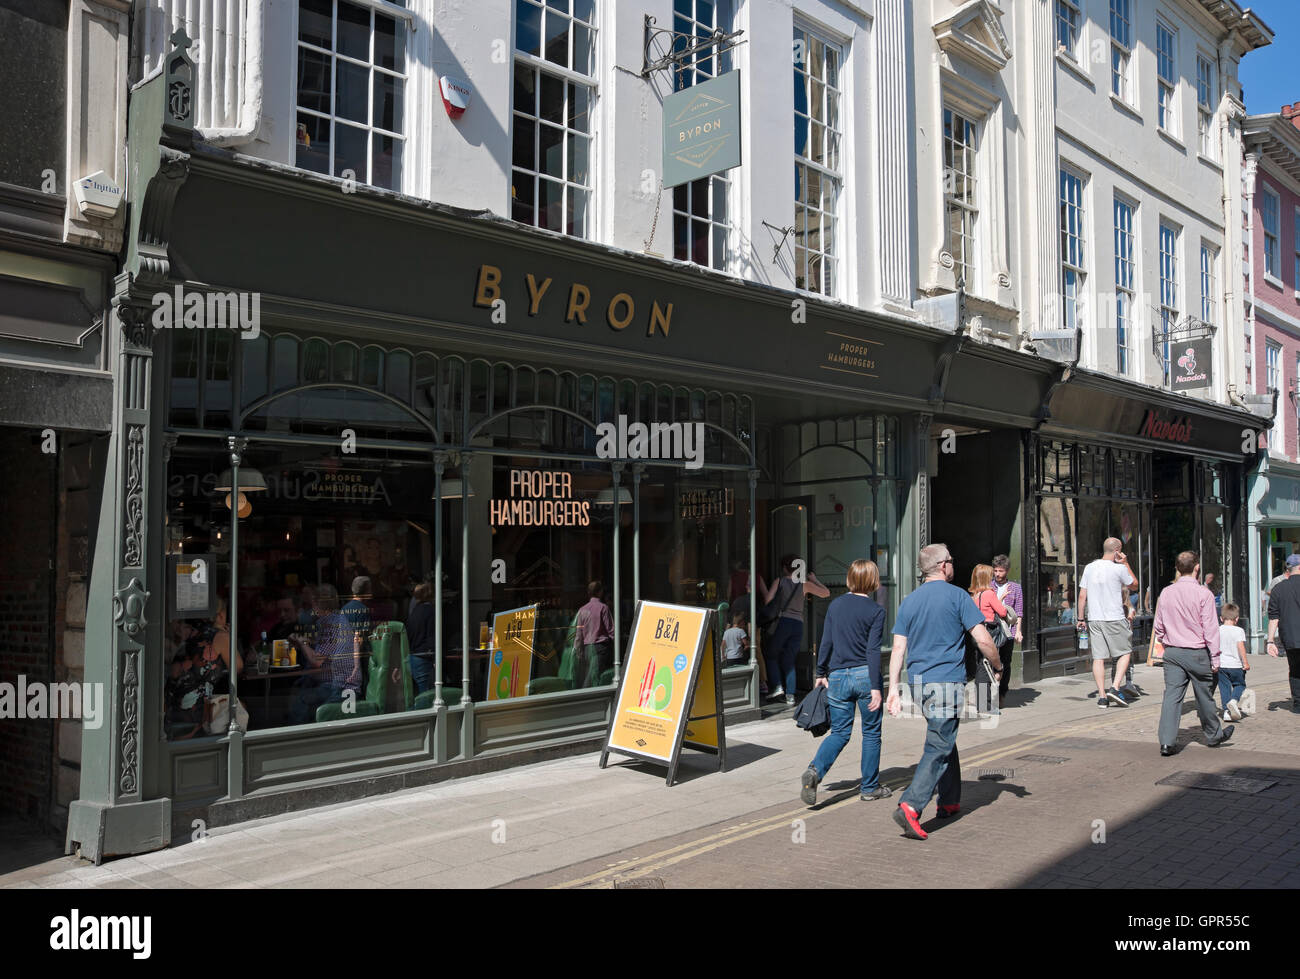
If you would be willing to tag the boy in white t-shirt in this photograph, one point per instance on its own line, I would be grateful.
(1232, 662)
(735, 642)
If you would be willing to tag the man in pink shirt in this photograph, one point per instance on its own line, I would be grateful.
(593, 643)
(1188, 627)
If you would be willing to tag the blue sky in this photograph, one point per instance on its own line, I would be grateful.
(1269, 75)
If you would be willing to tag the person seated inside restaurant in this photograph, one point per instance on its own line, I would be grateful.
(286, 608)
(335, 655)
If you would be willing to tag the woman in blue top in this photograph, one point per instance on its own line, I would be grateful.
(848, 664)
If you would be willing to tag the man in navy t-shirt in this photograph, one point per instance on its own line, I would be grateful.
(930, 632)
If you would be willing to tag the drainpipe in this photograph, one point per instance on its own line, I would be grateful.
(250, 109)
(1252, 161)
(1258, 490)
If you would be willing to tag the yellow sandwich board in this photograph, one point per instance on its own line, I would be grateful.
(669, 695)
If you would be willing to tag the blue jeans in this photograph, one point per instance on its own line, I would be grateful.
(423, 672)
(1232, 684)
(846, 688)
(781, 652)
(939, 766)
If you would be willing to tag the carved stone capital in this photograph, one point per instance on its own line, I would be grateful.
(136, 319)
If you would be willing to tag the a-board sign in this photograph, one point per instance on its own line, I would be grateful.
(510, 667)
(670, 695)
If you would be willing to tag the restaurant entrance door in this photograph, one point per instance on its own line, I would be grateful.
(790, 523)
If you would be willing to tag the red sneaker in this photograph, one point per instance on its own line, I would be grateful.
(910, 820)
(946, 811)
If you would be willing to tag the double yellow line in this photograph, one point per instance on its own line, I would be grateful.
(643, 866)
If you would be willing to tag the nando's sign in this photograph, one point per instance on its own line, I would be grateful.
(1161, 426)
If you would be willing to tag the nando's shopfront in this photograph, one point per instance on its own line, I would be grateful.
(458, 403)
(1163, 473)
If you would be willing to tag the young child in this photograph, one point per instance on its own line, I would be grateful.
(1232, 662)
(735, 642)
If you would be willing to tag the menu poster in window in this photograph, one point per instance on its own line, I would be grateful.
(510, 668)
(660, 677)
(193, 596)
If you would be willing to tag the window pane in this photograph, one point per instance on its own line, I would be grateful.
(313, 149)
(523, 199)
(352, 88)
(578, 151)
(388, 102)
(557, 39)
(354, 31)
(552, 146)
(350, 153)
(525, 143)
(390, 43)
(313, 80)
(528, 28)
(552, 205)
(577, 213)
(387, 162)
(553, 99)
(314, 22)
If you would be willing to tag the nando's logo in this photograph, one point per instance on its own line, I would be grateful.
(1158, 425)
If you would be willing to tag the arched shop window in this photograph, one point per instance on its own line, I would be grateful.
(531, 515)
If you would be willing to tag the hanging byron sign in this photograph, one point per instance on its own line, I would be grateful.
(702, 130)
(1191, 365)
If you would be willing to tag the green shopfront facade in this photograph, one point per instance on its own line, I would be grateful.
(424, 402)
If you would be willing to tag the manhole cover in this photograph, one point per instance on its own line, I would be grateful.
(1045, 759)
(995, 774)
(639, 883)
(1218, 783)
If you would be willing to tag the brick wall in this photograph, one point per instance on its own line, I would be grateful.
(48, 505)
(27, 643)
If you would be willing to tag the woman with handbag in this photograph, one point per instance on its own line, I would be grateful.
(1000, 622)
(848, 665)
(783, 608)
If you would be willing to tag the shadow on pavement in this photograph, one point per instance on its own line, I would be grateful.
(1239, 827)
(24, 844)
(695, 764)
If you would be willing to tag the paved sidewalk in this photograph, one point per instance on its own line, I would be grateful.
(553, 818)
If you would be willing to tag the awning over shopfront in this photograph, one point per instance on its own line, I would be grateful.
(432, 274)
(1153, 419)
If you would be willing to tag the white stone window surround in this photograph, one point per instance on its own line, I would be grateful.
(841, 255)
(595, 150)
(1127, 221)
(1206, 100)
(1273, 263)
(1209, 266)
(1167, 78)
(410, 75)
(1080, 228)
(1120, 27)
(991, 278)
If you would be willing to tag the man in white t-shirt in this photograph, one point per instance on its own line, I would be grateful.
(1103, 589)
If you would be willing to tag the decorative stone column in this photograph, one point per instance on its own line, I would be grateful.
(123, 620)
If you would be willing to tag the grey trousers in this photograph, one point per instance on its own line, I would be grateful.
(1184, 666)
